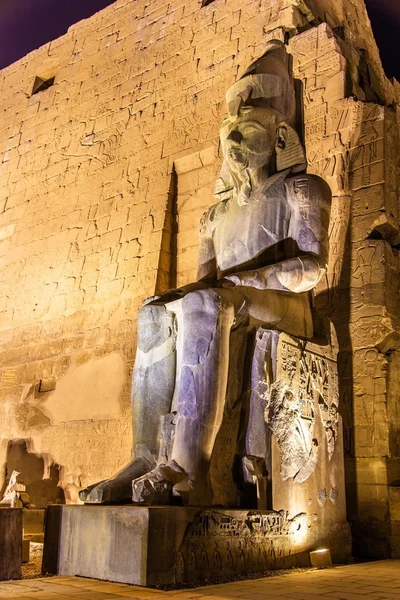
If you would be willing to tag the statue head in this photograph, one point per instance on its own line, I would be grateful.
(258, 136)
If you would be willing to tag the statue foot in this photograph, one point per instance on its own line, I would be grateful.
(156, 486)
(117, 488)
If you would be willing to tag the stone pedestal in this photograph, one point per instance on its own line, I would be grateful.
(10, 543)
(171, 546)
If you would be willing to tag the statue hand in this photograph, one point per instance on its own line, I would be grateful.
(247, 279)
(228, 282)
(163, 298)
(172, 295)
(150, 299)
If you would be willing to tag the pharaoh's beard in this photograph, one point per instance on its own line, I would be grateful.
(248, 171)
(242, 185)
(249, 180)
(237, 161)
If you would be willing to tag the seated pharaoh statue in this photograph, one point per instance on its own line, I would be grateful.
(263, 248)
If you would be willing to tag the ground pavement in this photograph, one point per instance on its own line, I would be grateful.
(376, 580)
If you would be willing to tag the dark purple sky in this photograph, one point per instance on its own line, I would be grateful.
(385, 19)
(27, 24)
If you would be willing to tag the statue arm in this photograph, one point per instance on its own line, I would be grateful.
(298, 274)
(310, 200)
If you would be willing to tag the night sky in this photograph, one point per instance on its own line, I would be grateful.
(28, 24)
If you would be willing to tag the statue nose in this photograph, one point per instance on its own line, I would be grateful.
(235, 136)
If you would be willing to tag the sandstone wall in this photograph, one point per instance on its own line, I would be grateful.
(103, 179)
(353, 146)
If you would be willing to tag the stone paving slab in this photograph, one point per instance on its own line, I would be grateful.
(377, 580)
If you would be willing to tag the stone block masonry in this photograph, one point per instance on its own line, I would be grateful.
(103, 178)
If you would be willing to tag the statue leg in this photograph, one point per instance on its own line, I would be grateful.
(153, 385)
(204, 321)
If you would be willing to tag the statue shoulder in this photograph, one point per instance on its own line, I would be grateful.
(309, 197)
(308, 187)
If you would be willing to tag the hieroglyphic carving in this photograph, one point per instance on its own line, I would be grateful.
(236, 542)
(293, 431)
(317, 376)
(306, 383)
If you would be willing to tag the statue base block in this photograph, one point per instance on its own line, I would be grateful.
(10, 543)
(174, 546)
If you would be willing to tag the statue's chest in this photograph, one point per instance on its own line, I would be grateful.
(241, 233)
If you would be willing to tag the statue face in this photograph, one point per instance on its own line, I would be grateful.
(248, 139)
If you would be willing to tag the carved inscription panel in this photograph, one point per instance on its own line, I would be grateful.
(306, 388)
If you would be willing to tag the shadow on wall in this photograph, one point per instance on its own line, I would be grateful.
(40, 476)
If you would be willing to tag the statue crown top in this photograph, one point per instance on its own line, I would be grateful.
(259, 136)
(266, 82)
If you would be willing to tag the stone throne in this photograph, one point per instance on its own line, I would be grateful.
(293, 422)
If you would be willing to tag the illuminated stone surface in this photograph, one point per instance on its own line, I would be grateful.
(96, 170)
(153, 546)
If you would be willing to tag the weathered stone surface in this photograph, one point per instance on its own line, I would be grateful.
(171, 546)
(10, 543)
(308, 447)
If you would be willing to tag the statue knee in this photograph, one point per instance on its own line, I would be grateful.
(200, 312)
(202, 303)
(155, 326)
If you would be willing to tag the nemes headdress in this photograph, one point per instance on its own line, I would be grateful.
(268, 82)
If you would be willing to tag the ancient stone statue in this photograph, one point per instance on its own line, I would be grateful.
(263, 248)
